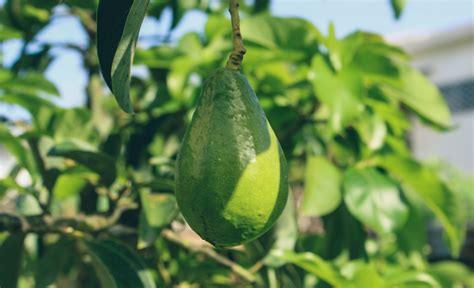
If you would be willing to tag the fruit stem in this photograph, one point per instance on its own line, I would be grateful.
(237, 55)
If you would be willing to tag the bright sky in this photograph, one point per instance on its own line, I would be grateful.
(347, 15)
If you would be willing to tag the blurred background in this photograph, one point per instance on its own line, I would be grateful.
(179, 44)
(438, 35)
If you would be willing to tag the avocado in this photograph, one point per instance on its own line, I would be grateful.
(231, 179)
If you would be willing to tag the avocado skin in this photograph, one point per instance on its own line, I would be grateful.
(231, 180)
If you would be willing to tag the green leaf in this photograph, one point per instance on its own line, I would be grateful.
(118, 266)
(374, 200)
(322, 193)
(217, 25)
(87, 4)
(146, 233)
(32, 83)
(58, 258)
(372, 130)
(285, 231)
(361, 274)
(422, 183)
(395, 119)
(118, 26)
(421, 95)
(65, 122)
(16, 148)
(281, 33)
(272, 38)
(342, 93)
(451, 274)
(10, 183)
(412, 279)
(11, 255)
(27, 16)
(32, 103)
(8, 33)
(334, 48)
(68, 186)
(157, 57)
(160, 209)
(99, 162)
(179, 8)
(311, 263)
(397, 7)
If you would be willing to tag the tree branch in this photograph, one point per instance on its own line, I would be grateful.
(42, 224)
(237, 55)
(211, 253)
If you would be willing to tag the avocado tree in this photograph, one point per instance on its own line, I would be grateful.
(90, 200)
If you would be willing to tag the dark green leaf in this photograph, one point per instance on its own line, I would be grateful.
(11, 255)
(28, 16)
(422, 183)
(57, 259)
(118, 26)
(118, 266)
(344, 234)
(322, 192)
(87, 4)
(99, 162)
(374, 200)
(179, 8)
(397, 7)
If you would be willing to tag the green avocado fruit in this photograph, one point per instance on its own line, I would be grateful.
(231, 180)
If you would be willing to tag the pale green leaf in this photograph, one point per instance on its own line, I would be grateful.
(342, 93)
(322, 193)
(374, 200)
(159, 208)
(420, 182)
(421, 95)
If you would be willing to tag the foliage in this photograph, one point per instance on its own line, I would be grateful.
(99, 206)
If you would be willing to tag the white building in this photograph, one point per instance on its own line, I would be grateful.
(447, 58)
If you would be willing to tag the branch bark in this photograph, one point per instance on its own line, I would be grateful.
(238, 52)
(43, 224)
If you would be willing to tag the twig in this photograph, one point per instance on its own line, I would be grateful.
(42, 224)
(237, 55)
(211, 253)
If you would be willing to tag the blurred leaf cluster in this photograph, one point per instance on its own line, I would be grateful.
(89, 201)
